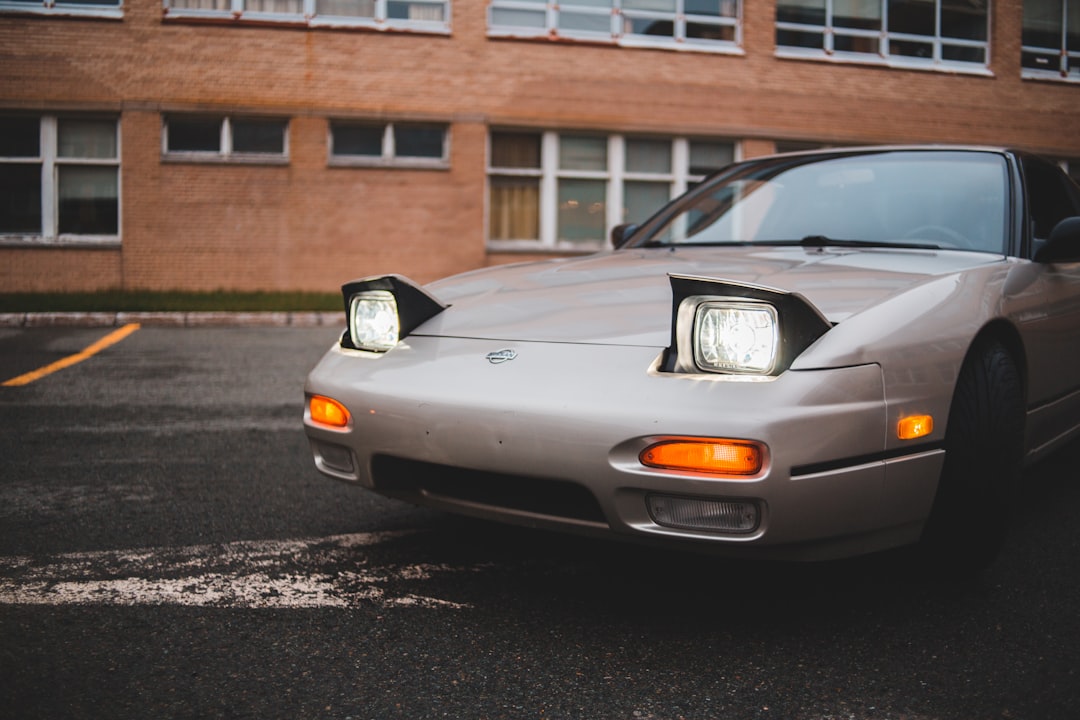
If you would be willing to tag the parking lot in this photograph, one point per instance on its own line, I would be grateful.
(167, 549)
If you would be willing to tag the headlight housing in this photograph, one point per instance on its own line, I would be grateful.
(382, 311)
(736, 337)
(738, 329)
(373, 320)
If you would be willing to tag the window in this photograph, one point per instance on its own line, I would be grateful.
(219, 138)
(682, 24)
(414, 15)
(1051, 39)
(59, 178)
(906, 33)
(87, 8)
(565, 191)
(398, 144)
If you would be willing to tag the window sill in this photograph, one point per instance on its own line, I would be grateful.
(289, 20)
(1050, 76)
(895, 63)
(86, 242)
(389, 164)
(719, 47)
(214, 159)
(70, 11)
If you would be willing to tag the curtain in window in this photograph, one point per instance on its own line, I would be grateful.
(279, 7)
(346, 8)
(200, 4)
(515, 208)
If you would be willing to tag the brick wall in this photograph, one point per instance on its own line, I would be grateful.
(306, 225)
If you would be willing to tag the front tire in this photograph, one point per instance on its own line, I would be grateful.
(984, 446)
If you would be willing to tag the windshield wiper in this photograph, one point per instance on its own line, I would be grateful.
(825, 241)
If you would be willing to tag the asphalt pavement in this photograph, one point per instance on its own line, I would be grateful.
(167, 549)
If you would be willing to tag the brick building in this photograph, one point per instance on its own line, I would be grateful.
(296, 144)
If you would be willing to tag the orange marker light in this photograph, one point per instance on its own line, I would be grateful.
(915, 426)
(327, 411)
(715, 456)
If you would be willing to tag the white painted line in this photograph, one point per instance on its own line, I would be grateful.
(330, 572)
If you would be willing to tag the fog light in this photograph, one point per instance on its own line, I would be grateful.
(685, 513)
(334, 457)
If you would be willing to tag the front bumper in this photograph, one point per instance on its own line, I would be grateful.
(577, 416)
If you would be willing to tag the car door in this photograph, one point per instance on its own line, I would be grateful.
(1052, 336)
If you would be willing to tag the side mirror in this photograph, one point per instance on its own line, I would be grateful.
(620, 234)
(1063, 245)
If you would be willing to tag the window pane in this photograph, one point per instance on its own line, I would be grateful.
(431, 12)
(585, 22)
(648, 26)
(515, 150)
(642, 199)
(287, 7)
(648, 156)
(421, 141)
(581, 210)
(582, 153)
(350, 139)
(587, 3)
(653, 5)
(200, 4)
(807, 12)
(507, 17)
(710, 31)
(793, 38)
(88, 200)
(1042, 23)
(515, 208)
(909, 48)
(20, 198)
(708, 157)
(915, 17)
(20, 137)
(86, 138)
(963, 19)
(346, 8)
(194, 134)
(958, 53)
(1072, 35)
(715, 8)
(259, 136)
(856, 44)
(862, 14)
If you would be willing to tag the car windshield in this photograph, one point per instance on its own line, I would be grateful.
(932, 199)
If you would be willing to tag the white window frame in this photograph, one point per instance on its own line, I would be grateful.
(50, 161)
(616, 34)
(1061, 72)
(614, 176)
(389, 157)
(308, 15)
(884, 36)
(53, 7)
(225, 152)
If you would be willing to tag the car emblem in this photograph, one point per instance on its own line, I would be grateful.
(500, 356)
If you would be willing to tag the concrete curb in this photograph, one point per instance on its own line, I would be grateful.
(174, 319)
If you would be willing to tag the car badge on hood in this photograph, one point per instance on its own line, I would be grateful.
(500, 356)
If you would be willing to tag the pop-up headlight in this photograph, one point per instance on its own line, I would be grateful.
(731, 328)
(736, 337)
(384, 310)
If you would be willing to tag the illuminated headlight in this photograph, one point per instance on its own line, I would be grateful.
(373, 320)
(738, 337)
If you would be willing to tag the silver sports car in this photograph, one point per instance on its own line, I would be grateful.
(806, 356)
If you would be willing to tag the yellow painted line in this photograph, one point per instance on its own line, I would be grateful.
(110, 339)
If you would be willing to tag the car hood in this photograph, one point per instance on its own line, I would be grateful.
(624, 297)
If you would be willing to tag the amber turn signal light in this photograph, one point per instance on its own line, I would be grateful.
(714, 456)
(328, 411)
(915, 426)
